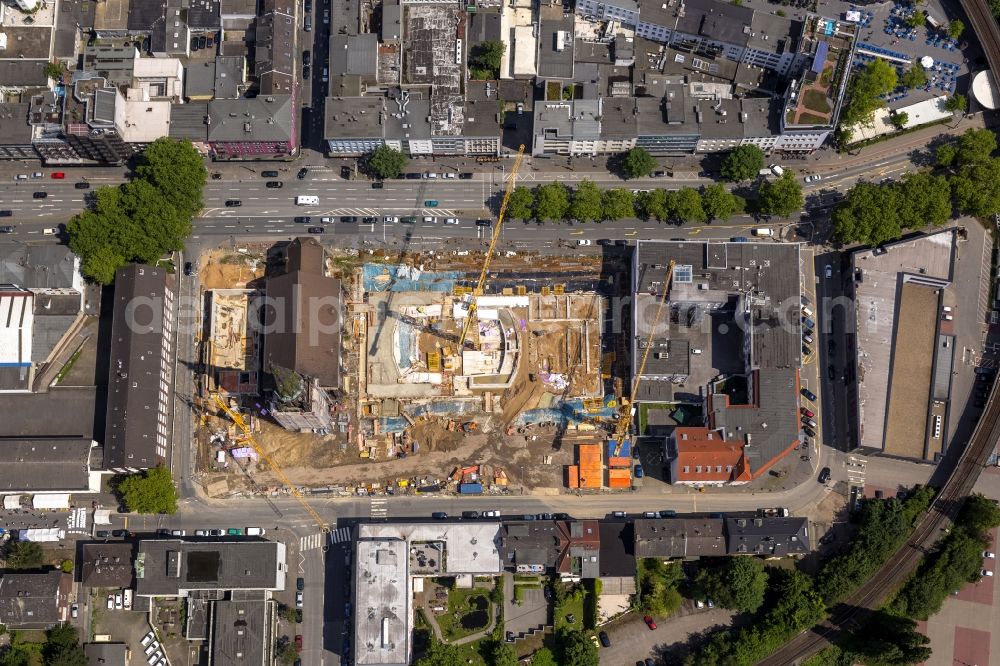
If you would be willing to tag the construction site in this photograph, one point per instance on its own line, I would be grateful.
(437, 390)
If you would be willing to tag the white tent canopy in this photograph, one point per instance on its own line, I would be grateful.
(54, 501)
(102, 517)
(927, 62)
(44, 534)
(11, 502)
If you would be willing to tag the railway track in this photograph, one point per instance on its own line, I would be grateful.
(903, 562)
(986, 29)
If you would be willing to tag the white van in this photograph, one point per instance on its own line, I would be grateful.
(306, 200)
(128, 599)
(807, 311)
(50, 231)
(255, 531)
(946, 309)
(763, 231)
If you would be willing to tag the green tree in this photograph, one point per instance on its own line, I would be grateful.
(551, 202)
(149, 491)
(66, 566)
(979, 514)
(916, 19)
(872, 81)
(638, 163)
(658, 583)
(975, 146)
(743, 163)
(177, 170)
(976, 191)
(955, 29)
(889, 640)
(62, 647)
(899, 119)
(577, 649)
(719, 203)
(386, 162)
(287, 654)
(54, 70)
(956, 103)
(914, 77)
(586, 203)
(485, 59)
(617, 204)
(868, 215)
(945, 154)
(501, 654)
(956, 562)
(923, 199)
(687, 206)
(521, 203)
(143, 219)
(780, 196)
(544, 657)
(653, 205)
(24, 555)
(738, 584)
(441, 654)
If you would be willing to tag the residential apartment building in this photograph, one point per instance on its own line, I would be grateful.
(141, 369)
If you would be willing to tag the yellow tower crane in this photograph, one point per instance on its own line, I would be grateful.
(478, 291)
(242, 425)
(625, 418)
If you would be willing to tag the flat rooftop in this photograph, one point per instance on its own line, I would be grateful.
(382, 589)
(471, 548)
(912, 367)
(878, 278)
(173, 568)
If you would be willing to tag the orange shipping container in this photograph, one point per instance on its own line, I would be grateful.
(591, 468)
(620, 462)
(619, 478)
(573, 476)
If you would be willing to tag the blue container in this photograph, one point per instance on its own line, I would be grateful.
(470, 489)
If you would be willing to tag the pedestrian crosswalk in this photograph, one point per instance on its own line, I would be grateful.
(340, 535)
(311, 542)
(314, 541)
(77, 521)
(378, 507)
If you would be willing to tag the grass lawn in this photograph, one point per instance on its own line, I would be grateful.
(808, 118)
(814, 100)
(573, 605)
(553, 91)
(644, 408)
(468, 612)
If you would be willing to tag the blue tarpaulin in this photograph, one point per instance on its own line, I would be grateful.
(380, 277)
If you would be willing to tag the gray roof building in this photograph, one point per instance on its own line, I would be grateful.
(34, 600)
(23, 73)
(555, 62)
(354, 117)
(106, 654)
(107, 565)
(304, 335)
(187, 121)
(567, 547)
(679, 537)
(45, 465)
(175, 568)
(141, 369)
(354, 54)
(39, 267)
(199, 80)
(262, 118)
(15, 131)
(230, 76)
(773, 537)
(242, 632)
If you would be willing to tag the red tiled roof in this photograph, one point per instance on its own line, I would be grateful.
(707, 457)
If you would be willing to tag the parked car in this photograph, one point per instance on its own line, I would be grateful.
(111, 602)
(638, 472)
(465, 176)
(349, 219)
(306, 57)
(58, 175)
(439, 515)
(988, 573)
(215, 532)
(119, 603)
(234, 531)
(649, 621)
(188, 268)
(298, 600)
(809, 395)
(605, 641)
(178, 533)
(7, 229)
(807, 412)
(298, 642)
(808, 431)
(316, 230)
(390, 219)
(824, 475)
(470, 514)
(201, 533)
(378, 185)
(268, 174)
(828, 271)
(989, 555)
